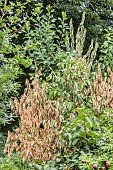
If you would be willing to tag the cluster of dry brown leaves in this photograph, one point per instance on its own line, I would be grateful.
(36, 138)
(102, 92)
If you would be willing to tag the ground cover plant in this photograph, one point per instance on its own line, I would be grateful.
(65, 111)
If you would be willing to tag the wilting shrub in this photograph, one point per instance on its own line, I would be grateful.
(37, 136)
(102, 92)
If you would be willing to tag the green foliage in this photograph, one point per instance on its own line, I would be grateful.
(23, 43)
(106, 57)
(11, 58)
(88, 138)
(40, 38)
(9, 71)
(85, 133)
(34, 38)
(70, 80)
(99, 16)
(2, 143)
(15, 163)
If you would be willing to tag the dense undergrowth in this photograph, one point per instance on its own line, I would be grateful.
(65, 112)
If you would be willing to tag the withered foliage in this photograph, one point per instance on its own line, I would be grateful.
(102, 92)
(37, 136)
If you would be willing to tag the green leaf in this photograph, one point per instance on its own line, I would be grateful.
(89, 121)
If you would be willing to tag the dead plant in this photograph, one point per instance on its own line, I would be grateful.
(37, 136)
(102, 92)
